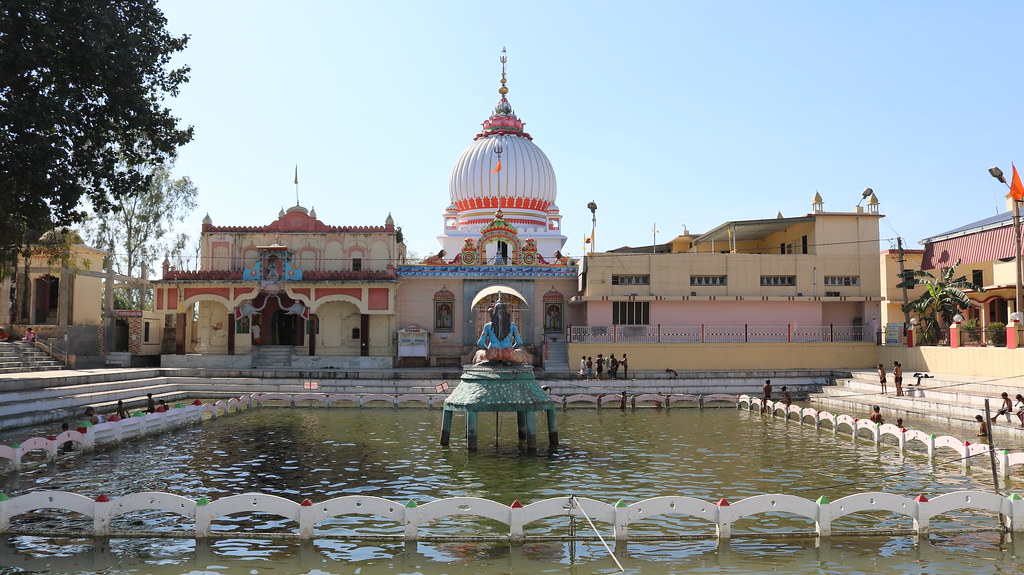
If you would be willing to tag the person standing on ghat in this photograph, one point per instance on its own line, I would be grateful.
(881, 377)
(897, 377)
(625, 367)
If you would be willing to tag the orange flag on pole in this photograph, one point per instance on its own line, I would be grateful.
(497, 168)
(1016, 188)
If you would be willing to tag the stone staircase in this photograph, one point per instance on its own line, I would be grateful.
(952, 399)
(558, 356)
(17, 357)
(272, 356)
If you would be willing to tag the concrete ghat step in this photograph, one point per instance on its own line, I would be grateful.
(944, 392)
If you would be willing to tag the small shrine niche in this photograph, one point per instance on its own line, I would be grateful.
(273, 266)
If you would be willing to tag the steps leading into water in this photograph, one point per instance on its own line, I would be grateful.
(953, 399)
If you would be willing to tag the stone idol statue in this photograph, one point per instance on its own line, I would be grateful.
(500, 339)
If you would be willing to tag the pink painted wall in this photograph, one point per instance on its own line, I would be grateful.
(736, 313)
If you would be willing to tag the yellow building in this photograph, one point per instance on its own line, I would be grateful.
(812, 279)
(59, 293)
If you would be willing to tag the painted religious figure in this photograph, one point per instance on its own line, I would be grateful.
(500, 338)
(443, 316)
(553, 317)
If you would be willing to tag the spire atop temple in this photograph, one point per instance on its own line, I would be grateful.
(503, 90)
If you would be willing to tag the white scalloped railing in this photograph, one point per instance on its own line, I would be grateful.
(866, 429)
(516, 517)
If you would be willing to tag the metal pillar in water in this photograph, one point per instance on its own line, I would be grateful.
(471, 430)
(446, 427)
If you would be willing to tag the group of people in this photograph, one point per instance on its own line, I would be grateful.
(766, 389)
(876, 417)
(1008, 407)
(30, 335)
(611, 366)
(897, 378)
(122, 412)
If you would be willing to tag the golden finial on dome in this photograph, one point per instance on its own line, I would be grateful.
(503, 90)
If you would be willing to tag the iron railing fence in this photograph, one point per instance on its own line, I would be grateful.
(705, 333)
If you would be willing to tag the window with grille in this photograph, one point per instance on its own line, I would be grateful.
(708, 280)
(778, 280)
(631, 312)
(631, 280)
(842, 280)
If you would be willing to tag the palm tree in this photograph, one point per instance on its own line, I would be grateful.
(943, 297)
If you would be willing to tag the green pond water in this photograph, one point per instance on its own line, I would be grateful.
(606, 455)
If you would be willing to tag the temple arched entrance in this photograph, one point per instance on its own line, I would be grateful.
(277, 325)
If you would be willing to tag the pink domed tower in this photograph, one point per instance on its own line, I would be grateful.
(504, 171)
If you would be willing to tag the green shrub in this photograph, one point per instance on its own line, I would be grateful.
(970, 330)
(996, 332)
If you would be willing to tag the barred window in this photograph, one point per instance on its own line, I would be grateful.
(778, 280)
(842, 280)
(631, 312)
(631, 280)
(708, 280)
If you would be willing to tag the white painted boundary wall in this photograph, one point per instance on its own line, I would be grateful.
(517, 517)
(88, 436)
(859, 428)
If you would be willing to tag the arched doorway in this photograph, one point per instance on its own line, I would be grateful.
(277, 325)
(45, 298)
(483, 307)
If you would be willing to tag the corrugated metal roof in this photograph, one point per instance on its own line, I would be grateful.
(988, 245)
(998, 220)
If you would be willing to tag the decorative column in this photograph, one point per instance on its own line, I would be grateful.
(1013, 331)
(954, 331)
(179, 335)
(314, 322)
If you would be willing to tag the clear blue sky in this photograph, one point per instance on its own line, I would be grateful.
(674, 113)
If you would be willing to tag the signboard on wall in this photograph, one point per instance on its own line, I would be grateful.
(127, 313)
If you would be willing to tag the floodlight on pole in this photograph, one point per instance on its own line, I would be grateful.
(592, 206)
(865, 195)
(996, 173)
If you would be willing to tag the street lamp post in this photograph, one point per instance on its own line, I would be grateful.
(996, 173)
(592, 206)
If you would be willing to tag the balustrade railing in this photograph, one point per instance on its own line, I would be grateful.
(706, 333)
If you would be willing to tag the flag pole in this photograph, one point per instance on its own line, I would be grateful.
(296, 184)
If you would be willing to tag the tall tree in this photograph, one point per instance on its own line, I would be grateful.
(943, 298)
(139, 228)
(82, 86)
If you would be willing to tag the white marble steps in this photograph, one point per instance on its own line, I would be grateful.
(939, 398)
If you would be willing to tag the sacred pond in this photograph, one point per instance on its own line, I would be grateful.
(605, 455)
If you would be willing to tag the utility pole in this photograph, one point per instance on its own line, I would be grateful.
(903, 277)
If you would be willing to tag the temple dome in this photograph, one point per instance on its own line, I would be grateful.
(526, 180)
